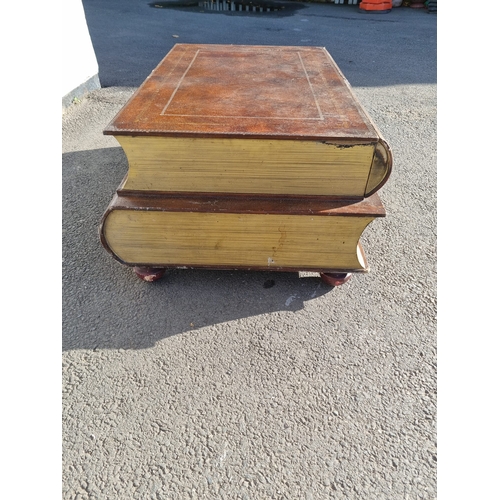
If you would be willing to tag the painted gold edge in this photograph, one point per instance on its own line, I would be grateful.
(102, 233)
(125, 143)
(388, 167)
(363, 269)
(107, 247)
(111, 207)
(360, 254)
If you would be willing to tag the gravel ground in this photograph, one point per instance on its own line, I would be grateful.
(213, 384)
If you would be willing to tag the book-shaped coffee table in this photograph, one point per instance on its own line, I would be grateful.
(245, 157)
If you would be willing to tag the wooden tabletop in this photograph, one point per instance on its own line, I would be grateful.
(277, 92)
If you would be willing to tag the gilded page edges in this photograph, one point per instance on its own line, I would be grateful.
(381, 167)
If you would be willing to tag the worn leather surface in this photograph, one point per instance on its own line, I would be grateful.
(253, 91)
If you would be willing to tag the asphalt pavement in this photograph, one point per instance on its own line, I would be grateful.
(215, 384)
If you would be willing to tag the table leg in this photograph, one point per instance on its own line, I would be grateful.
(149, 273)
(335, 279)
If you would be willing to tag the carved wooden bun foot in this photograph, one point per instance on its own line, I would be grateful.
(149, 273)
(335, 279)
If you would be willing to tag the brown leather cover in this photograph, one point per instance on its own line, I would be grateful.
(246, 91)
(367, 207)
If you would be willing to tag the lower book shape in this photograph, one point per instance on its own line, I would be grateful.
(239, 232)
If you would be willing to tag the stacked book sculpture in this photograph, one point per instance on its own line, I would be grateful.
(245, 157)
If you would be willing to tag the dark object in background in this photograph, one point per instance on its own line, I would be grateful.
(432, 6)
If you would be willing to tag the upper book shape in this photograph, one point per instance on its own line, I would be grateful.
(255, 92)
